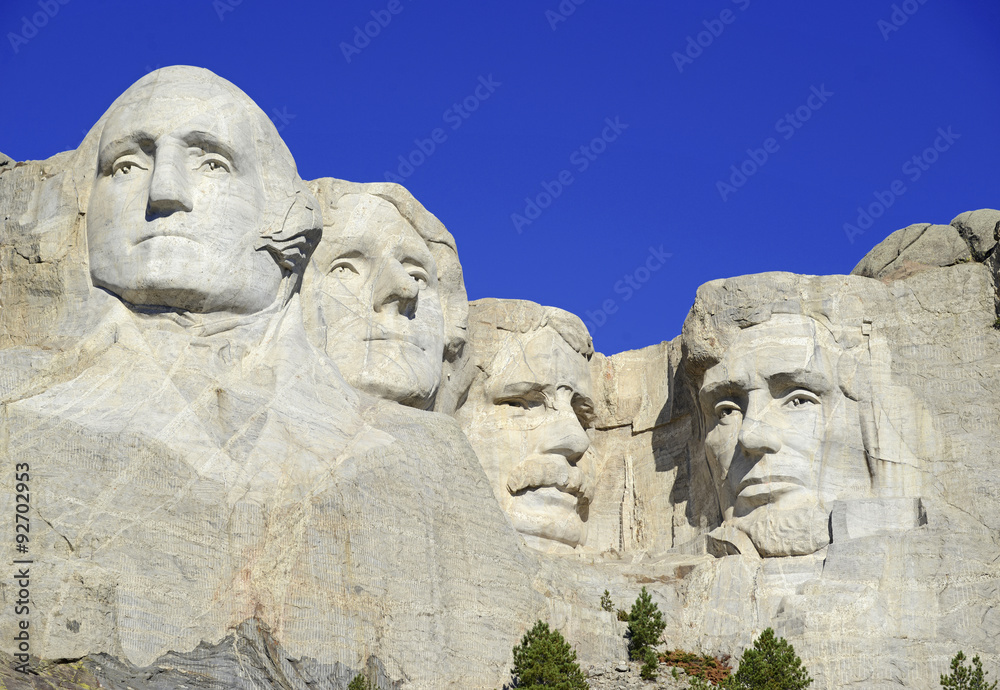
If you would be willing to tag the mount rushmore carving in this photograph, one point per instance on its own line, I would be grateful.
(261, 415)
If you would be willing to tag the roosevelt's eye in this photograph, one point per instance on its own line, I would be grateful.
(801, 399)
(522, 402)
(726, 408)
(125, 166)
(214, 165)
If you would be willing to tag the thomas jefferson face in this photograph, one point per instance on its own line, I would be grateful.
(378, 299)
(178, 200)
(529, 425)
(783, 440)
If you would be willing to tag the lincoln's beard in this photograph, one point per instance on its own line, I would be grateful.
(779, 531)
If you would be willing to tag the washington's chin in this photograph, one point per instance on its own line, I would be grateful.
(548, 515)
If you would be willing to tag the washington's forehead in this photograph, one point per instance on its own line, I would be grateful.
(220, 117)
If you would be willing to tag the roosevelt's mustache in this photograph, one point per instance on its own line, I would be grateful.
(550, 471)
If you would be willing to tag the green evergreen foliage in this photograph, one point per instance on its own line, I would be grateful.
(964, 677)
(606, 602)
(645, 625)
(650, 665)
(770, 665)
(361, 683)
(545, 661)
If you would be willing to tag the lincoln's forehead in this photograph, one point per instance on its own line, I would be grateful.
(785, 346)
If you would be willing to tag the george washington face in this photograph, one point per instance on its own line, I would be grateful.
(177, 206)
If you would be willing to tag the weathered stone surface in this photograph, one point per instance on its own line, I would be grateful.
(224, 493)
(913, 249)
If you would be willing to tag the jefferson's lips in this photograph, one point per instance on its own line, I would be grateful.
(396, 337)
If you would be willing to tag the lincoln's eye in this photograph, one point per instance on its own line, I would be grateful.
(801, 399)
(726, 408)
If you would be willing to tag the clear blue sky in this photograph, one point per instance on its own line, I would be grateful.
(866, 91)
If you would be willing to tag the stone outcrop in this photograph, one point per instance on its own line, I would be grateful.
(264, 440)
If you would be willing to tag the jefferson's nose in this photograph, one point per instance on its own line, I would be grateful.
(169, 187)
(395, 289)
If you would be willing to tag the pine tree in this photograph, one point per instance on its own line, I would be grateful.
(770, 665)
(361, 683)
(964, 677)
(545, 661)
(645, 625)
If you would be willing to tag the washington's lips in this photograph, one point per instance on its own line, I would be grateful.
(542, 472)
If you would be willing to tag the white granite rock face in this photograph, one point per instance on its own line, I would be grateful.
(228, 384)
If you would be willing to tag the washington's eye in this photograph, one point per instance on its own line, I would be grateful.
(726, 408)
(420, 277)
(801, 398)
(216, 165)
(125, 166)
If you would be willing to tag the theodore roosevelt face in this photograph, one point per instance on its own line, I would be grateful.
(530, 418)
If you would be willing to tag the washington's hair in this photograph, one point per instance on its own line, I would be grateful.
(292, 220)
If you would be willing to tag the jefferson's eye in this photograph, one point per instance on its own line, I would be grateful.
(420, 277)
(343, 270)
(726, 408)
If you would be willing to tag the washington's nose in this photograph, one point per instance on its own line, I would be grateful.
(169, 187)
(565, 436)
(757, 437)
(396, 289)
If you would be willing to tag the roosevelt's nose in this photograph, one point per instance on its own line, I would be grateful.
(395, 289)
(757, 436)
(565, 436)
(169, 187)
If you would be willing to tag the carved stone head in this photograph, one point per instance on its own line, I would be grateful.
(383, 294)
(527, 416)
(195, 202)
(798, 409)
(783, 439)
